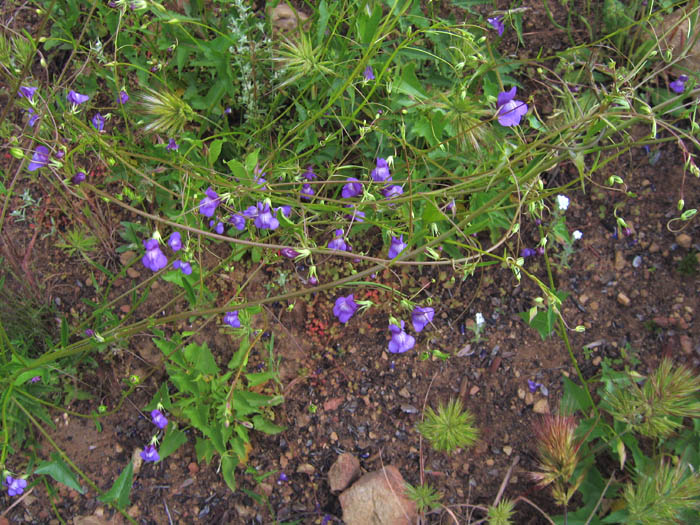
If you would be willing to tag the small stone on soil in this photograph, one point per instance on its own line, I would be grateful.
(623, 299)
(507, 450)
(684, 240)
(541, 406)
(344, 471)
(306, 468)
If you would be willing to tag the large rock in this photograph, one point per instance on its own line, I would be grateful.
(378, 498)
(344, 471)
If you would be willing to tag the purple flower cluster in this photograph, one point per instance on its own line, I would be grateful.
(159, 419)
(150, 454)
(400, 341)
(352, 188)
(39, 159)
(338, 243)
(497, 23)
(397, 246)
(15, 486)
(208, 205)
(27, 92)
(345, 308)
(76, 98)
(678, 85)
(154, 259)
(510, 111)
(231, 319)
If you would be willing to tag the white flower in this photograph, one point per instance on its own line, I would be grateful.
(479, 319)
(577, 235)
(562, 202)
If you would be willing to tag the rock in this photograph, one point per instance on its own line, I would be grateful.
(126, 257)
(193, 468)
(89, 520)
(623, 299)
(541, 406)
(474, 390)
(684, 240)
(405, 393)
(333, 404)
(378, 498)
(344, 471)
(133, 273)
(529, 398)
(306, 468)
(597, 360)
(686, 345)
(521, 393)
(507, 450)
(285, 19)
(619, 261)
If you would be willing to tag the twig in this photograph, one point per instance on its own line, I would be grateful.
(8, 509)
(167, 511)
(506, 478)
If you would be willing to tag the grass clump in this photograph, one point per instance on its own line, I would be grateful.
(450, 428)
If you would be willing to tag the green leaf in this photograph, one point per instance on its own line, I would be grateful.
(409, 84)
(228, 469)
(215, 151)
(258, 378)
(201, 357)
(367, 25)
(64, 332)
(266, 426)
(205, 449)
(60, 472)
(173, 440)
(575, 396)
(119, 492)
(431, 213)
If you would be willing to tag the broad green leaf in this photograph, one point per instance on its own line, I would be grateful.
(215, 151)
(575, 395)
(204, 449)
(258, 378)
(228, 469)
(266, 426)
(121, 489)
(409, 84)
(202, 358)
(59, 471)
(173, 440)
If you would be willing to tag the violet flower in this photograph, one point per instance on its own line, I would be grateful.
(159, 419)
(123, 97)
(392, 190)
(33, 117)
(533, 385)
(338, 243)
(76, 98)
(368, 73)
(357, 215)
(400, 341)
(307, 192)
(172, 145)
(421, 317)
(154, 259)
(527, 252)
(352, 188)
(218, 226)
(231, 319)
(510, 111)
(98, 122)
(150, 453)
(397, 246)
(265, 220)
(35, 379)
(238, 221)
(286, 210)
(381, 173)
(39, 159)
(175, 241)
(15, 486)
(207, 206)
(497, 23)
(27, 92)
(184, 267)
(78, 178)
(678, 85)
(289, 253)
(345, 308)
(309, 173)
(251, 212)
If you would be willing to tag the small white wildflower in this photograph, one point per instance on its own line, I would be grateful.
(562, 202)
(479, 319)
(577, 235)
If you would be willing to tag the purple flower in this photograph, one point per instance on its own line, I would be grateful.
(218, 228)
(154, 259)
(352, 188)
(172, 145)
(421, 317)
(527, 252)
(290, 253)
(381, 173)
(123, 97)
(533, 386)
(207, 206)
(35, 379)
(175, 241)
(357, 215)
(98, 122)
(33, 117)
(391, 191)
(15, 486)
(678, 85)
(345, 308)
(397, 246)
(238, 221)
(307, 192)
(184, 267)
(286, 210)
(309, 173)
(231, 319)
(78, 178)
(497, 23)
(368, 73)
(251, 212)
(265, 220)
(159, 419)
(510, 111)
(338, 243)
(282, 478)
(400, 340)
(89, 332)
(39, 159)
(150, 453)
(27, 92)
(76, 98)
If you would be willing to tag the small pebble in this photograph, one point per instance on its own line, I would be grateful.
(623, 299)
(541, 406)
(507, 450)
(684, 240)
(637, 261)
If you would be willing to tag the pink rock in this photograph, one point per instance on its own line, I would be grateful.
(344, 471)
(378, 498)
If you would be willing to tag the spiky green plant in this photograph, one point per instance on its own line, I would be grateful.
(170, 113)
(501, 513)
(656, 408)
(300, 59)
(424, 496)
(449, 428)
(662, 494)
